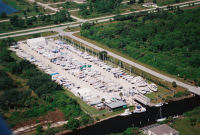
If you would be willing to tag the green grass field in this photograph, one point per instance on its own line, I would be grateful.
(184, 127)
(155, 96)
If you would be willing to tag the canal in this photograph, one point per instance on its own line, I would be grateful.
(119, 123)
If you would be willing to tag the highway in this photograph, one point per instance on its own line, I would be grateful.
(99, 19)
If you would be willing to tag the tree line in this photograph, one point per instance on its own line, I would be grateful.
(172, 45)
(16, 22)
(59, 17)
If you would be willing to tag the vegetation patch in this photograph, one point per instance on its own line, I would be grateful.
(18, 23)
(27, 94)
(168, 46)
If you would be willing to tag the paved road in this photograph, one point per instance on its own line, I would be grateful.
(49, 28)
(193, 89)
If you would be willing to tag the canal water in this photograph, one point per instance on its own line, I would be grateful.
(6, 8)
(119, 124)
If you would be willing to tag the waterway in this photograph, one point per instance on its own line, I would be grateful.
(6, 8)
(119, 124)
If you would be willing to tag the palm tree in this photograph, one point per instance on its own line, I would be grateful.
(103, 100)
(121, 94)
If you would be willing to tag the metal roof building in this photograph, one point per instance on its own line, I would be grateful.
(37, 41)
(116, 104)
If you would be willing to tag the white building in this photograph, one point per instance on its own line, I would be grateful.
(162, 130)
(37, 41)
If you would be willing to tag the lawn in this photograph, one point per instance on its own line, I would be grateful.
(184, 127)
(189, 124)
(156, 96)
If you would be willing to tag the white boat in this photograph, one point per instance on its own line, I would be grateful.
(126, 113)
(161, 119)
(153, 87)
(139, 109)
(159, 105)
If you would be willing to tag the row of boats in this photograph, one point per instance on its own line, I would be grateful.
(139, 109)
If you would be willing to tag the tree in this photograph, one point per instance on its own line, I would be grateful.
(36, 7)
(5, 82)
(14, 20)
(121, 94)
(83, 11)
(5, 56)
(177, 1)
(39, 129)
(62, 16)
(21, 23)
(24, 12)
(85, 119)
(103, 55)
(193, 121)
(154, 1)
(86, 26)
(131, 1)
(103, 6)
(103, 100)
(128, 131)
(37, 81)
(97, 118)
(140, 1)
(174, 84)
(170, 119)
(3, 15)
(73, 124)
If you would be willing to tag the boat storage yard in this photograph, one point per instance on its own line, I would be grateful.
(84, 75)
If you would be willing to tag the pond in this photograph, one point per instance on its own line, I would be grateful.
(6, 8)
